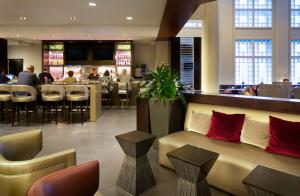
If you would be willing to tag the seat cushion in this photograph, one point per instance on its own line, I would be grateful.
(22, 99)
(199, 123)
(77, 97)
(255, 133)
(5, 97)
(52, 97)
(235, 162)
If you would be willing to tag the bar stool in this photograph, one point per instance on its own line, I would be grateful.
(77, 94)
(52, 95)
(23, 96)
(106, 94)
(123, 94)
(5, 97)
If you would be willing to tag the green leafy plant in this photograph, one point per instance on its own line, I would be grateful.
(163, 84)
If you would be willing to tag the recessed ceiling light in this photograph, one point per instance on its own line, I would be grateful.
(53, 35)
(129, 18)
(17, 35)
(89, 35)
(73, 18)
(92, 4)
(23, 18)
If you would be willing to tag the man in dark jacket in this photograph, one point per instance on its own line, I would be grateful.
(27, 77)
(3, 78)
(45, 76)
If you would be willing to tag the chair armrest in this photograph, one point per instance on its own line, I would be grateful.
(21, 146)
(44, 165)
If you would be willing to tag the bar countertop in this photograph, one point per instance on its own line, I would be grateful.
(282, 105)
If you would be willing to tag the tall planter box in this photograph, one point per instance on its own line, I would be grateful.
(166, 119)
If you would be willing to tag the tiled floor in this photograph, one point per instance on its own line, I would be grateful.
(95, 141)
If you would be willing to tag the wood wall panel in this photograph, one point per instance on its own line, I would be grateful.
(176, 14)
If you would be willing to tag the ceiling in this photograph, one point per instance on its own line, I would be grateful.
(50, 20)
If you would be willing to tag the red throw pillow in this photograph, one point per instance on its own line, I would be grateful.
(226, 127)
(284, 137)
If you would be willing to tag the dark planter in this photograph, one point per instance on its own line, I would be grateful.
(166, 119)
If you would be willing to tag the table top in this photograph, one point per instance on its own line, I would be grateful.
(135, 137)
(193, 155)
(273, 181)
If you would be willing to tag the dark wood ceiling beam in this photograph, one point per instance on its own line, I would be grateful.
(176, 14)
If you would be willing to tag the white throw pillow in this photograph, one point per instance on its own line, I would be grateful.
(199, 123)
(255, 133)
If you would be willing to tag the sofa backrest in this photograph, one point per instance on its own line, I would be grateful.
(256, 126)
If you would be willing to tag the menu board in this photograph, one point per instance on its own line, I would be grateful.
(53, 54)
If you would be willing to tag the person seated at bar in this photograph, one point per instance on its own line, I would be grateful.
(254, 90)
(45, 77)
(28, 77)
(94, 75)
(124, 77)
(70, 79)
(248, 91)
(3, 78)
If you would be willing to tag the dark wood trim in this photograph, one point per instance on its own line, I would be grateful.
(3, 54)
(197, 63)
(291, 106)
(176, 14)
(143, 115)
(175, 54)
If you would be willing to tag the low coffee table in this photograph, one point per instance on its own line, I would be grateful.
(136, 175)
(265, 181)
(192, 164)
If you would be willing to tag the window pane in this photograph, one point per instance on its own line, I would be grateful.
(263, 48)
(263, 4)
(263, 70)
(243, 4)
(245, 70)
(295, 4)
(295, 61)
(295, 18)
(243, 48)
(263, 18)
(243, 18)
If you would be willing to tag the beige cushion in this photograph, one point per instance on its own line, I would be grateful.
(199, 123)
(52, 97)
(255, 133)
(5, 97)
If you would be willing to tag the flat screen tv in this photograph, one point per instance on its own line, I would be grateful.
(73, 54)
(104, 52)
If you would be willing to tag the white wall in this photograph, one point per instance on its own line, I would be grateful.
(31, 54)
(162, 53)
(145, 54)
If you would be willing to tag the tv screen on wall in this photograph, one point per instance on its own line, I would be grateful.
(73, 54)
(105, 52)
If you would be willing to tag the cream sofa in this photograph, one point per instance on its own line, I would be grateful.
(235, 161)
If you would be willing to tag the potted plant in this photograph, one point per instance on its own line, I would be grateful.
(166, 101)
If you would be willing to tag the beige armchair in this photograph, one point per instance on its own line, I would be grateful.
(18, 167)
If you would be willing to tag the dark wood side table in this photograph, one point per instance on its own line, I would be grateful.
(136, 175)
(265, 181)
(192, 164)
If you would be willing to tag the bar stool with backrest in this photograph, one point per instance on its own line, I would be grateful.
(123, 94)
(5, 97)
(53, 100)
(23, 96)
(106, 93)
(77, 96)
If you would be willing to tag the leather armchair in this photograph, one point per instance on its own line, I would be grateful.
(81, 180)
(18, 167)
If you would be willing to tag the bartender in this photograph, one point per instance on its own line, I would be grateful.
(94, 75)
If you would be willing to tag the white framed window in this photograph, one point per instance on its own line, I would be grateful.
(295, 13)
(253, 13)
(253, 62)
(295, 61)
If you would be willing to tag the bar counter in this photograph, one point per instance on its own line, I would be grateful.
(95, 98)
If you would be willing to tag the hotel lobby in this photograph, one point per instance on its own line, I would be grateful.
(149, 97)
